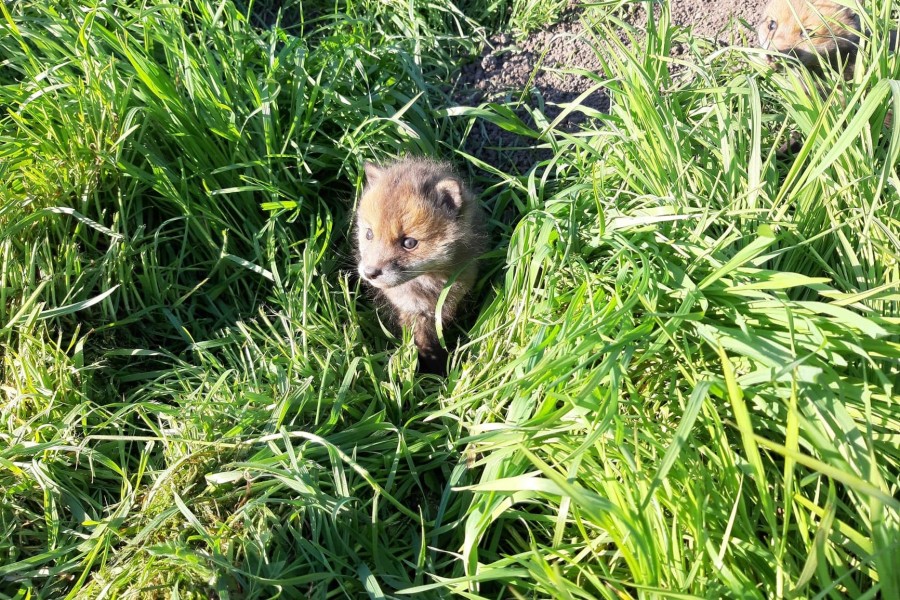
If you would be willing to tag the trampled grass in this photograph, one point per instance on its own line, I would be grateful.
(678, 379)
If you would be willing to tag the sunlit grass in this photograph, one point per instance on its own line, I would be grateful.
(679, 374)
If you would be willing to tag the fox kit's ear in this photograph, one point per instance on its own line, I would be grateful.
(449, 194)
(373, 172)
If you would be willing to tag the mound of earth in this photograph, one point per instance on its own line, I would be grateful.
(505, 68)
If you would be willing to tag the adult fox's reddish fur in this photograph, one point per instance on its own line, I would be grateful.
(417, 226)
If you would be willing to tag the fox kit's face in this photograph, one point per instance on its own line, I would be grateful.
(808, 29)
(407, 224)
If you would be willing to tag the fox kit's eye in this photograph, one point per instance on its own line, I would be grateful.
(773, 25)
(409, 243)
(369, 234)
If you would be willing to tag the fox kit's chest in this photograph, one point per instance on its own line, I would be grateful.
(419, 295)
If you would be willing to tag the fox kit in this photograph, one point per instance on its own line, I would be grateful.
(809, 29)
(417, 226)
(812, 30)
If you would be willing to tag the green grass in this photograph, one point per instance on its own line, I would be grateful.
(679, 374)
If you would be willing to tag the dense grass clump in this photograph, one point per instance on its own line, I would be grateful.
(679, 375)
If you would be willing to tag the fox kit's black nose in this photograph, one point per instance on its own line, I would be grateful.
(371, 272)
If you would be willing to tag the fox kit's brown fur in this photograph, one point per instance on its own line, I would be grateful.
(813, 30)
(417, 226)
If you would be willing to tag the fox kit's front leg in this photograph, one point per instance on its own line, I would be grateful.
(432, 357)
(417, 227)
(416, 305)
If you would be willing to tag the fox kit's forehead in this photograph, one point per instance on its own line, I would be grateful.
(800, 15)
(413, 197)
(395, 207)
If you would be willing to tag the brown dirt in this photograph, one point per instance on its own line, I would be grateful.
(504, 69)
(713, 18)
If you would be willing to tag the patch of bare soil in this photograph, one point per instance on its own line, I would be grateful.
(716, 18)
(505, 68)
